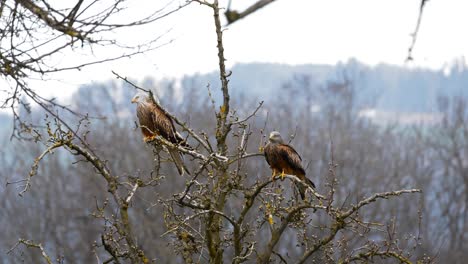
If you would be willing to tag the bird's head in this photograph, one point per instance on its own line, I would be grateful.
(275, 137)
(136, 98)
(141, 97)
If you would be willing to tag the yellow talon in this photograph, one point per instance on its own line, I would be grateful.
(282, 175)
(149, 139)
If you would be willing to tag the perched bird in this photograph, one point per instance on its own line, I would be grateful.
(283, 159)
(155, 122)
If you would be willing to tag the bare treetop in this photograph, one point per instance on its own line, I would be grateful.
(35, 33)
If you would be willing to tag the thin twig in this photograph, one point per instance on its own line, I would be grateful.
(30, 243)
(414, 35)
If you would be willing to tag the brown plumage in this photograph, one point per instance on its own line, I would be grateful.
(283, 159)
(154, 122)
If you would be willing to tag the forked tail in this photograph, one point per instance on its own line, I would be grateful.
(178, 161)
(302, 189)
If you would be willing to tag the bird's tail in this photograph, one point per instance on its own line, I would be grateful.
(181, 141)
(302, 189)
(177, 158)
(186, 145)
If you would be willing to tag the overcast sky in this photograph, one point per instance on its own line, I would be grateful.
(286, 31)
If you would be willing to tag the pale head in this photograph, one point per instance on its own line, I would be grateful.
(139, 98)
(142, 97)
(136, 98)
(275, 137)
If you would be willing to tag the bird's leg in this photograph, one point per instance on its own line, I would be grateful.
(273, 175)
(282, 175)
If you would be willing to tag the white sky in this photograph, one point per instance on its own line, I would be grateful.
(286, 31)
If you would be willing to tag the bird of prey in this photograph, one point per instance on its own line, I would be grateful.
(283, 159)
(155, 122)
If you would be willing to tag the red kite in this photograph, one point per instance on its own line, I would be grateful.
(154, 122)
(283, 159)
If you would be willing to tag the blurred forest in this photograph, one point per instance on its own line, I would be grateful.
(370, 158)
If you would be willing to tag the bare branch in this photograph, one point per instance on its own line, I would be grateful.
(382, 254)
(249, 116)
(414, 35)
(30, 243)
(36, 165)
(340, 220)
(374, 198)
(132, 192)
(232, 15)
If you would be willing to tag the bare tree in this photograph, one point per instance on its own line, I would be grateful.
(224, 213)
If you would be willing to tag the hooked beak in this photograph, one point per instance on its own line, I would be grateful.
(134, 100)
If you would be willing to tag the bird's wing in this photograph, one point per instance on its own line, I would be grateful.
(145, 118)
(267, 153)
(290, 155)
(163, 124)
